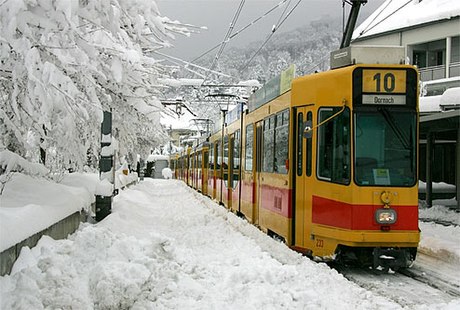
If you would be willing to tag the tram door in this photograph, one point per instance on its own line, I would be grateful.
(258, 168)
(303, 175)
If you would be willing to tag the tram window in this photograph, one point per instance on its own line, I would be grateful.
(268, 144)
(334, 145)
(392, 158)
(199, 160)
(206, 159)
(225, 157)
(211, 157)
(309, 147)
(249, 147)
(225, 161)
(236, 158)
(299, 143)
(219, 155)
(281, 141)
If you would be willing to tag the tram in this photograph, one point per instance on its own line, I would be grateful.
(329, 166)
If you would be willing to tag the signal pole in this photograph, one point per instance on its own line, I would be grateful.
(106, 171)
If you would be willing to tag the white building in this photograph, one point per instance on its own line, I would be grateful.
(428, 29)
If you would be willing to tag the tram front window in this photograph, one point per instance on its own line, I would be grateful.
(385, 148)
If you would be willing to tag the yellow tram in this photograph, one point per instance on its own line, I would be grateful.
(327, 163)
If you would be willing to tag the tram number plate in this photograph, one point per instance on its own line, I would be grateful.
(384, 81)
(319, 243)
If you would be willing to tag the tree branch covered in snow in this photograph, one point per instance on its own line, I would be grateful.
(64, 62)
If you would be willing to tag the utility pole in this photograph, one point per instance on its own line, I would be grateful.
(106, 171)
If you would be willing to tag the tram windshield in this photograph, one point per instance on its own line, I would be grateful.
(385, 148)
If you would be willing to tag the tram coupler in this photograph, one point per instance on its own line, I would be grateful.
(385, 258)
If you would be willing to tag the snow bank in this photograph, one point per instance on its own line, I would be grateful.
(440, 241)
(157, 252)
(29, 205)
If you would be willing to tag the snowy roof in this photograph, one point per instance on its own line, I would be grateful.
(155, 157)
(449, 100)
(399, 14)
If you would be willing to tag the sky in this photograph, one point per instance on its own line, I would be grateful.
(165, 246)
(217, 15)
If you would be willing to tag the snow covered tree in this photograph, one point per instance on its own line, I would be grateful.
(63, 62)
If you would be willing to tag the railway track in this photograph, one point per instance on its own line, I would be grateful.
(430, 281)
(440, 222)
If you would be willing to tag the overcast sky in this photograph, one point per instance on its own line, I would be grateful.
(217, 15)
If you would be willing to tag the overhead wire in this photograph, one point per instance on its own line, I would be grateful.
(366, 29)
(383, 19)
(225, 40)
(243, 29)
(274, 29)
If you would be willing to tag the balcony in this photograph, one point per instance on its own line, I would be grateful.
(439, 72)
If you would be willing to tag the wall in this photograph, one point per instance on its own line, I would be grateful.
(59, 230)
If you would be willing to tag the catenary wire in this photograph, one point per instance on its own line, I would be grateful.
(243, 29)
(274, 29)
(227, 35)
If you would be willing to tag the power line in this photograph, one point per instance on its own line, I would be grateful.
(274, 29)
(383, 19)
(227, 35)
(366, 29)
(243, 29)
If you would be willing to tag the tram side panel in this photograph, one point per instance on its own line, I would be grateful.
(271, 180)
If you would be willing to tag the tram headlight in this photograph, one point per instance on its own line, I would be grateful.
(385, 216)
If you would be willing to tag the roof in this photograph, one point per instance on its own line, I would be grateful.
(399, 14)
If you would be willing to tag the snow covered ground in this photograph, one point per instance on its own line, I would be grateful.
(156, 251)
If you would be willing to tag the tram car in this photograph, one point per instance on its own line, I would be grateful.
(325, 162)
(199, 159)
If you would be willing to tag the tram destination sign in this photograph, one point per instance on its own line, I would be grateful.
(384, 87)
(384, 99)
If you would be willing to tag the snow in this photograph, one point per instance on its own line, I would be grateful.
(451, 96)
(430, 104)
(181, 82)
(159, 251)
(9, 161)
(155, 157)
(398, 14)
(166, 173)
(174, 121)
(449, 99)
(104, 188)
(28, 205)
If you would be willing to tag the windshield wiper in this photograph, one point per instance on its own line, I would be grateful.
(396, 129)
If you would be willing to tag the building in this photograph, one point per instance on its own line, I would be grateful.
(429, 30)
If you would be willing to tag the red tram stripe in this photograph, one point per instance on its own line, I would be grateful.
(277, 200)
(360, 217)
